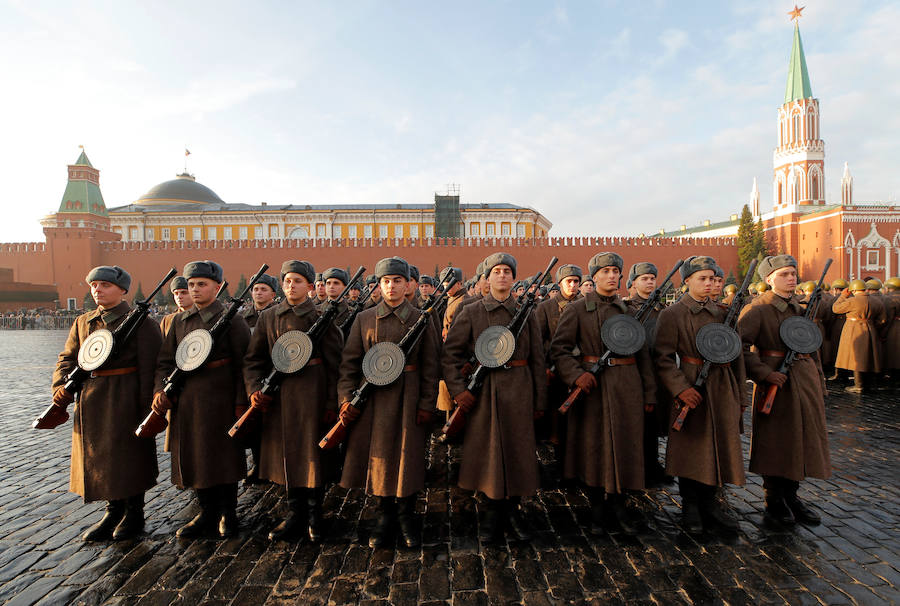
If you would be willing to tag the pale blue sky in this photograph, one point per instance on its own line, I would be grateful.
(608, 117)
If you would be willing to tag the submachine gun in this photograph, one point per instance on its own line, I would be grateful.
(355, 307)
(718, 343)
(192, 353)
(383, 364)
(801, 336)
(623, 335)
(494, 347)
(99, 347)
(292, 351)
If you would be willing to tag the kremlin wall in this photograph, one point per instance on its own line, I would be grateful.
(182, 220)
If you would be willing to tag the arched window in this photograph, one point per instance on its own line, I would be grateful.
(301, 232)
(811, 125)
(796, 190)
(814, 186)
(796, 120)
(780, 192)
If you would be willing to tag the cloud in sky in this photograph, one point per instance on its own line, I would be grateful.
(608, 118)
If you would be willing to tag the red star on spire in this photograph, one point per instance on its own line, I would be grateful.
(796, 13)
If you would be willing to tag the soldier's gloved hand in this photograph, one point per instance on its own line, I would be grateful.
(62, 398)
(586, 382)
(260, 401)
(330, 417)
(349, 413)
(466, 369)
(691, 397)
(776, 378)
(465, 400)
(423, 417)
(161, 403)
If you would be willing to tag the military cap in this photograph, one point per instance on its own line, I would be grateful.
(517, 285)
(270, 281)
(337, 273)
(605, 259)
(371, 279)
(413, 272)
(470, 284)
(112, 274)
(856, 285)
(319, 278)
(775, 262)
(543, 291)
(426, 280)
(720, 273)
(554, 288)
(640, 269)
(839, 283)
(304, 268)
(448, 271)
(567, 271)
(499, 258)
(694, 264)
(479, 271)
(873, 284)
(203, 269)
(178, 283)
(392, 266)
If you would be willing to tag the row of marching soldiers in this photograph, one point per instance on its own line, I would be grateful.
(608, 443)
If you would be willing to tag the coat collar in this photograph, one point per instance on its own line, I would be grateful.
(490, 303)
(308, 306)
(207, 313)
(593, 301)
(696, 306)
(110, 315)
(402, 311)
(561, 301)
(781, 304)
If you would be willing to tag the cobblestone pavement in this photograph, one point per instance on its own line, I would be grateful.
(853, 557)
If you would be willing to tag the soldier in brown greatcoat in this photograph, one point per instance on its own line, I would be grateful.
(860, 346)
(835, 327)
(305, 404)
(183, 301)
(791, 442)
(641, 283)
(498, 451)
(374, 292)
(892, 340)
(263, 297)
(318, 294)
(386, 443)
(553, 426)
(335, 282)
(456, 298)
(108, 461)
(204, 457)
(706, 452)
(604, 447)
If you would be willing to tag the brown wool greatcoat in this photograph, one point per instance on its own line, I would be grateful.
(203, 455)
(663, 408)
(860, 345)
(604, 447)
(498, 451)
(293, 424)
(166, 323)
(251, 314)
(892, 333)
(708, 447)
(385, 448)
(792, 441)
(455, 303)
(108, 461)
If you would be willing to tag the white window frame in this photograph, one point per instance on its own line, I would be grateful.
(166, 234)
(197, 233)
(273, 231)
(505, 229)
(474, 229)
(243, 231)
(873, 253)
(489, 229)
(351, 231)
(398, 231)
(367, 231)
(320, 230)
(382, 231)
(148, 234)
(226, 233)
(520, 230)
(211, 233)
(413, 231)
(336, 231)
(429, 231)
(182, 233)
(133, 233)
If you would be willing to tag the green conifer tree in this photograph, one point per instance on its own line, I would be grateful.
(138, 294)
(745, 241)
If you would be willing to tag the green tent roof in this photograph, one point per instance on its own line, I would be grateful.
(82, 197)
(83, 160)
(798, 86)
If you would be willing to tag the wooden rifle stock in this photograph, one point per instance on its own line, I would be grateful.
(730, 320)
(811, 307)
(338, 433)
(54, 416)
(273, 381)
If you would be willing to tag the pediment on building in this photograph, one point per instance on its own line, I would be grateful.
(873, 239)
(849, 240)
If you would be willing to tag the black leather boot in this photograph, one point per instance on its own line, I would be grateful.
(777, 510)
(690, 506)
(597, 498)
(292, 521)
(716, 510)
(132, 523)
(228, 520)
(314, 498)
(629, 519)
(516, 521)
(381, 533)
(103, 530)
(802, 512)
(406, 516)
(205, 521)
(491, 528)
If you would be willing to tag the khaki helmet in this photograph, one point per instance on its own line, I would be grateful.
(857, 285)
(730, 288)
(825, 286)
(892, 283)
(752, 289)
(840, 283)
(761, 286)
(809, 286)
(684, 288)
(873, 284)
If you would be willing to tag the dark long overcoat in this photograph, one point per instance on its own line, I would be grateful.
(203, 455)
(385, 448)
(498, 452)
(108, 461)
(708, 447)
(792, 441)
(293, 424)
(892, 333)
(860, 345)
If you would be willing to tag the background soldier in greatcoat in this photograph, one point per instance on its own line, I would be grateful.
(204, 457)
(108, 461)
(335, 282)
(305, 403)
(183, 301)
(860, 346)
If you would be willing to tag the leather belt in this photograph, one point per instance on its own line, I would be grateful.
(217, 363)
(410, 368)
(611, 361)
(697, 361)
(112, 372)
(774, 353)
(516, 363)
